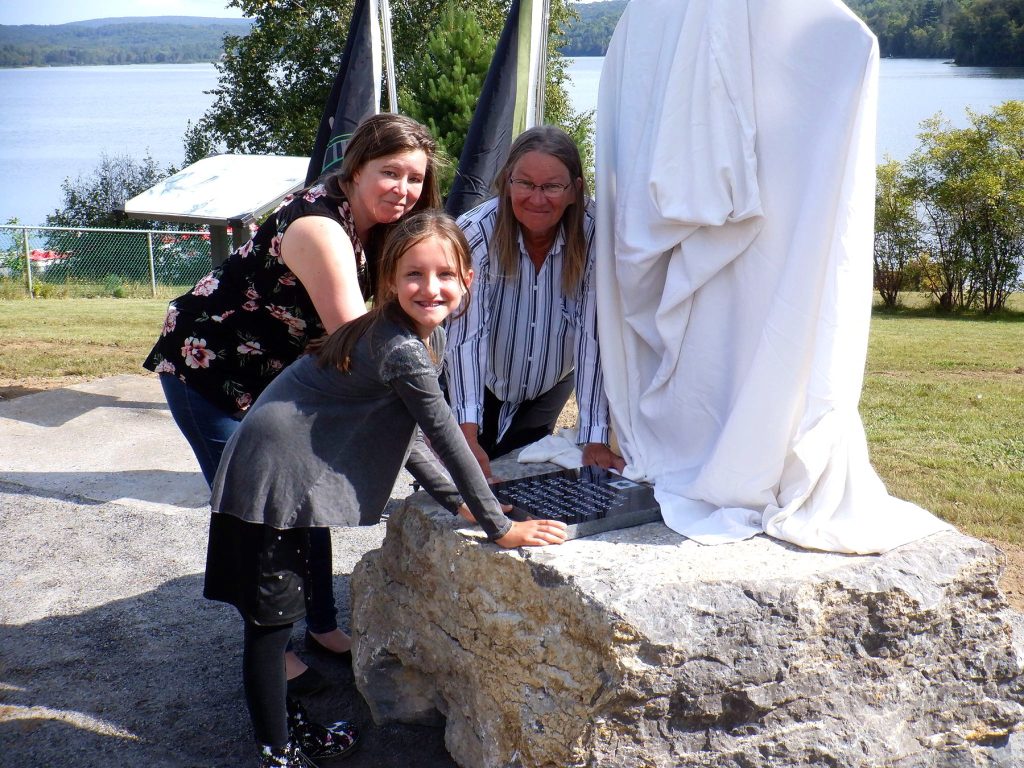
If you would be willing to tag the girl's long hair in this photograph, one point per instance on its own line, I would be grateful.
(336, 349)
(555, 142)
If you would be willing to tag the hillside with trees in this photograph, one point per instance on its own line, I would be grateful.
(918, 29)
(972, 32)
(156, 40)
(589, 34)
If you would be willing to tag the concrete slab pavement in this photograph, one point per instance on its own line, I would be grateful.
(109, 655)
(105, 440)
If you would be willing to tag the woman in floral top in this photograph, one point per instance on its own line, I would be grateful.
(307, 270)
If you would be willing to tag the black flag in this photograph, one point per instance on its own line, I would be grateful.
(355, 94)
(501, 114)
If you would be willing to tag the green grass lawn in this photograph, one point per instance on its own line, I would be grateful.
(943, 401)
(68, 340)
(943, 406)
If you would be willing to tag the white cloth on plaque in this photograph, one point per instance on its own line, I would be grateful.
(735, 163)
(560, 448)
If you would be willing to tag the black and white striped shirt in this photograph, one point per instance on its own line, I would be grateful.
(522, 334)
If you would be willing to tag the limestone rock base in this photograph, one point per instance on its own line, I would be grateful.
(639, 648)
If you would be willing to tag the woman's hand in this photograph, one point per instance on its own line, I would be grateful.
(533, 533)
(600, 455)
(470, 431)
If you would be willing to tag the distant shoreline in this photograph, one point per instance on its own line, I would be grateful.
(119, 41)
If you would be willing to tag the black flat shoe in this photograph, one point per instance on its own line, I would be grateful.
(312, 644)
(308, 683)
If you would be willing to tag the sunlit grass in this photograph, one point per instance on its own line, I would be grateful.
(943, 407)
(61, 340)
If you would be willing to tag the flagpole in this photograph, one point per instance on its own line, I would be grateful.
(542, 75)
(389, 55)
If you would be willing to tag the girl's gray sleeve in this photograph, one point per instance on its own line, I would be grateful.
(422, 395)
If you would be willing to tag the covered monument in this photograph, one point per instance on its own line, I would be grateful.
(736, 201)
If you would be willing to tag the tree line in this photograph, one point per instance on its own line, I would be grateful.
(971, 32)
(126, 41)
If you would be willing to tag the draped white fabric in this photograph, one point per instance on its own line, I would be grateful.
(735, 179)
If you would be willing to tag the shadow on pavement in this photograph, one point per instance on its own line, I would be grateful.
(60, 406)
(155, 680)
(155, 486)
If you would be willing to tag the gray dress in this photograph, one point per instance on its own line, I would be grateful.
(321, 447)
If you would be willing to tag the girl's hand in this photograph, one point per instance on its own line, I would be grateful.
(533, 533)
(465, 514)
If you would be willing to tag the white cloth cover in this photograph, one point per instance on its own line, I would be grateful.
(735, 178)
(560, 448)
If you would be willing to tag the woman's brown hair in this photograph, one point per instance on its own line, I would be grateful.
(336, 350)
(553, 141)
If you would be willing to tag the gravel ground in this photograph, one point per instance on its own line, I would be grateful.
(111, 656)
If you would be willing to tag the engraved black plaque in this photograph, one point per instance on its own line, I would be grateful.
(588, 500)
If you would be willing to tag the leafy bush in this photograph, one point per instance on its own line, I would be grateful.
(94, 200)
(965, 187)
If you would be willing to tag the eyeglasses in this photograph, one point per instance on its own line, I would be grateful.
(524, 188)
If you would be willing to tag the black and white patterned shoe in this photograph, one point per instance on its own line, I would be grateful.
(283, 757)
(320, 742)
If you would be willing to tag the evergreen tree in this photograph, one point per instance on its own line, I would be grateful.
(449, 79)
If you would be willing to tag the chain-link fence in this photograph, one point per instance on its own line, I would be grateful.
(61, 261)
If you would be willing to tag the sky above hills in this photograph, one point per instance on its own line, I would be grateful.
(63, 11)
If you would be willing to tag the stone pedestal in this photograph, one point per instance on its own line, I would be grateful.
(640, 648)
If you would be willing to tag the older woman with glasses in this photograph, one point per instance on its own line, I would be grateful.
(530, 335)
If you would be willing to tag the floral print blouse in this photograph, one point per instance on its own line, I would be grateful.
(249, 318)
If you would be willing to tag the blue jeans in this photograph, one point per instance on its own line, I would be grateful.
(207, 429)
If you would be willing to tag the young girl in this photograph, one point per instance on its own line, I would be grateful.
(323, 445)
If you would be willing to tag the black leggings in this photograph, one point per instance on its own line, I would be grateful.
(266, 682)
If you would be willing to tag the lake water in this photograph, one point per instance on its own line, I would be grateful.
(909, 91)
(58, 121)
